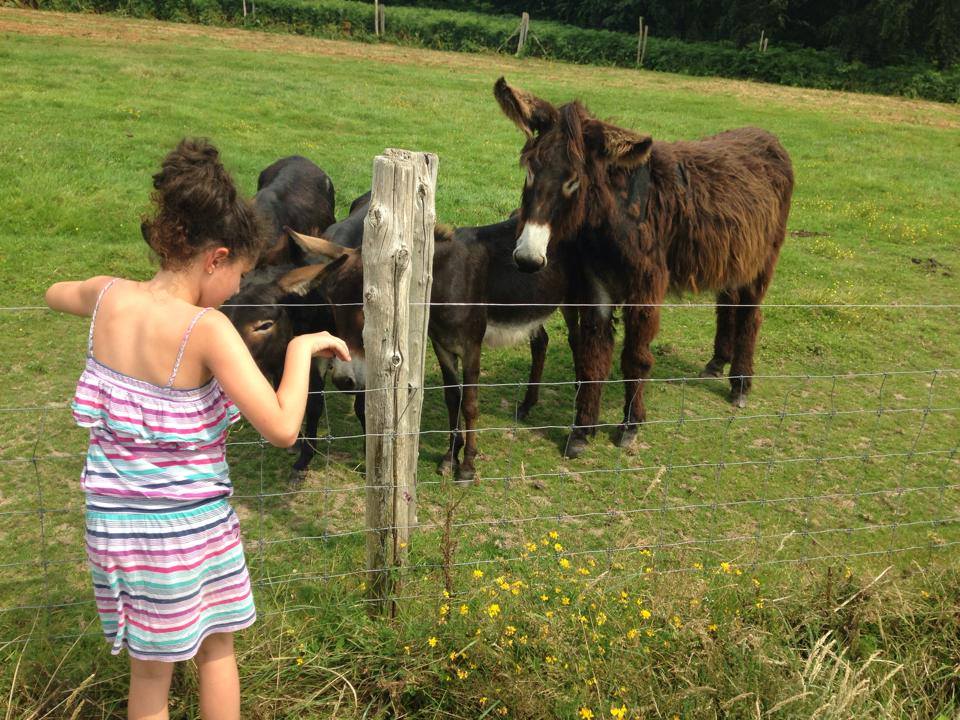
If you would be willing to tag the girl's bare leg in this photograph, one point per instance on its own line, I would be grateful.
(149, 688)
(219, 680)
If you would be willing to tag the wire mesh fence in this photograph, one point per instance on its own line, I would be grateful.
(822, 467)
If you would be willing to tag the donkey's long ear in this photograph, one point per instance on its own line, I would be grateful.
(318, 245)
(530, 113)
(617, 145)
(302, 280)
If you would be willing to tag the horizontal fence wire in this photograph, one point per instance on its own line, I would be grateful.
(680, 305)
(914, 459)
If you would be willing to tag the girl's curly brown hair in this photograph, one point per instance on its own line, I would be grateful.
(197, 206)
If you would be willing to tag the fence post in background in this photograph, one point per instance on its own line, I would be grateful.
(244, 8)
(382, 16)
(524, 31)
(376, 17)
(642, 35)
(762, 46)
(397, 276)
(639, 40)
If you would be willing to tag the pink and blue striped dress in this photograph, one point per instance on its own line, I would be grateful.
(163, 542)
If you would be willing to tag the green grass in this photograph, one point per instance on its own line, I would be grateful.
(85, 121)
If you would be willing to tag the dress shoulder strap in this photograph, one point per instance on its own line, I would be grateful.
(183, 345)
(93, 317)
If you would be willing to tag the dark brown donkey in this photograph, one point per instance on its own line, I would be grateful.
(472, 268)
(643, 217)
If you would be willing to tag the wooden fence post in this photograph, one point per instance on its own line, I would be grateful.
(524, 31)
(382, 16)
(376, 17)
(397, 277)
(642, 34)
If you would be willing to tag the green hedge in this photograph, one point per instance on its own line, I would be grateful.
(471, 32)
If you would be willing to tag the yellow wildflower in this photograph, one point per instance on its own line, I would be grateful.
(478, 574)
(583, 571)
(462, 674)
(586, 713)
(554, 535)
(544, 597)
(564, 600)
(645, 614)
(632, 633)
(618, 712)
(531, 547)
(564, 563)
(510, 630)
(558, 547)
(432, 642)
(493, 610)
(299, 661)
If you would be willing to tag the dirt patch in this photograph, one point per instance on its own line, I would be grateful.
(874, 108)
(932, 266)
(808, 233)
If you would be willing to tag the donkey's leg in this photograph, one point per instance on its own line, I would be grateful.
(453, 398)
(724, 338)
(593, 358)
(308, 442)
(749, 318)
(640, 324)
(571, 316)
(360, 409)
(538, 355)
(471, 379)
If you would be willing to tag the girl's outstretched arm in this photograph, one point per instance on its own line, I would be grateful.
(76, 297)
(276, 415)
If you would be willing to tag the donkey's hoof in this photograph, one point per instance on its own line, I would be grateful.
(445, 467)
(712, 371)
(523, 411)
(295, 448)
(576, 444)
(296, 478)
(627, 435)
(738, 399)
(465, 475)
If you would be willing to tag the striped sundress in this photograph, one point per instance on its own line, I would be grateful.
(162, 541)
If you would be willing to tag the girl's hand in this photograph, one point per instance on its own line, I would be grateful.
(326, 345)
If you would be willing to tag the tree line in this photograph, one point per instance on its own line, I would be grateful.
(874, 32)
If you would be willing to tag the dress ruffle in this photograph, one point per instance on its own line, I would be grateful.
(137, 411)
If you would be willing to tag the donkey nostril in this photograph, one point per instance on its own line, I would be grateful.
(344, 382)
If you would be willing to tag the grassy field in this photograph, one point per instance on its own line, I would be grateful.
(791, 558)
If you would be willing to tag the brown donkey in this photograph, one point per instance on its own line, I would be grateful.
(642, 217)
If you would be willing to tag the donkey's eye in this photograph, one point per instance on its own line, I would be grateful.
(529, 177)
(570, 186)
(264, 326)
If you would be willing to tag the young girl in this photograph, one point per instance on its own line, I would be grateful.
(166, 374)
